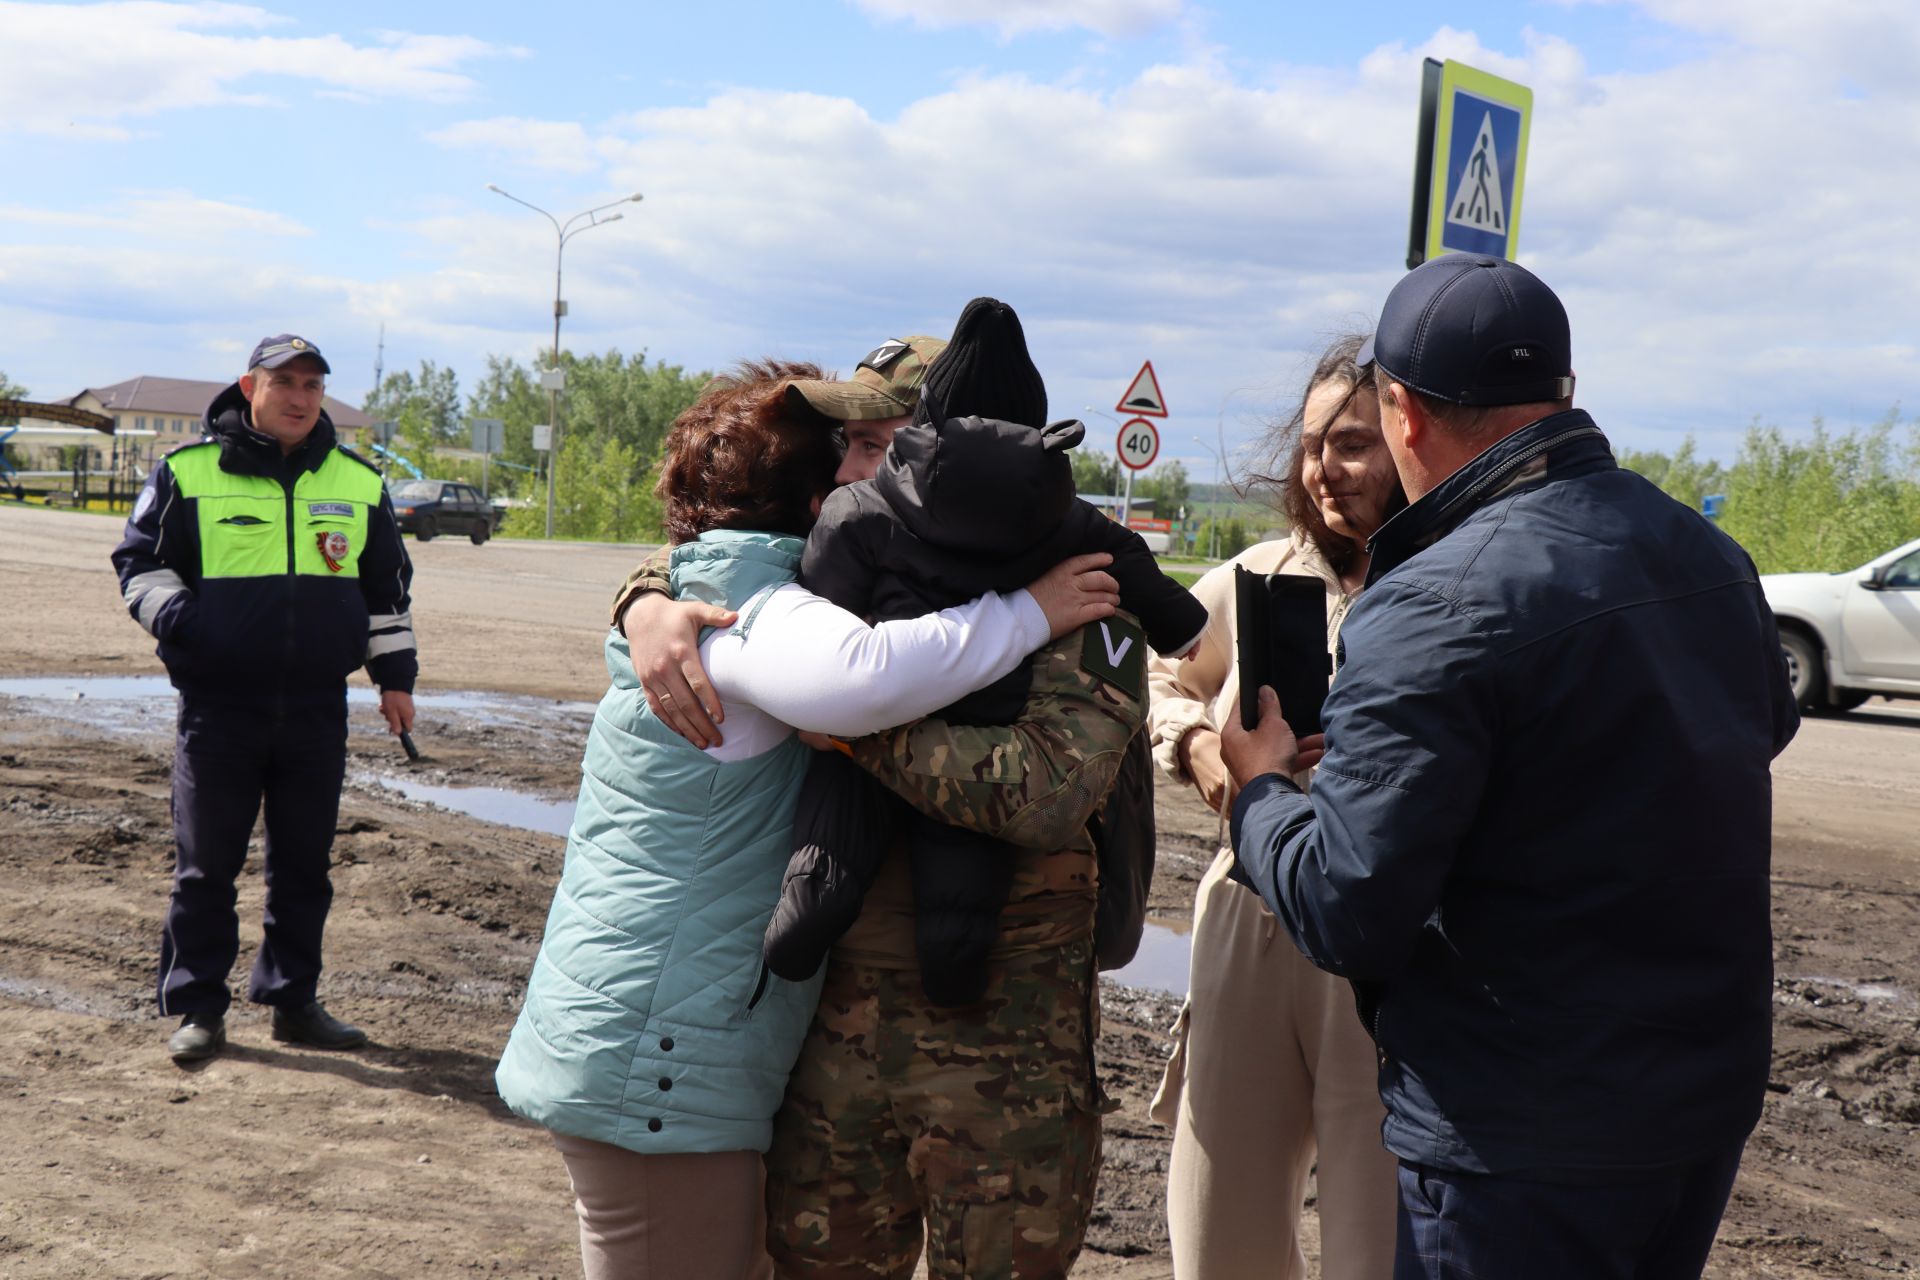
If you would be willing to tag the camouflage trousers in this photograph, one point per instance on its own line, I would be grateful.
(983, 1122)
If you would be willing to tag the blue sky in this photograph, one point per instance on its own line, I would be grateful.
(1724, 194)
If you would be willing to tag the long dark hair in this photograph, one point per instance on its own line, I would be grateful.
(1281, 473)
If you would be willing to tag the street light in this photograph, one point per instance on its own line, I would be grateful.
(1219, 467)
(563, 232)
(1116, 463)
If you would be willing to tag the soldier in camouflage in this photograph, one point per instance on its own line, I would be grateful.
(977, 1129)
(983, 1121)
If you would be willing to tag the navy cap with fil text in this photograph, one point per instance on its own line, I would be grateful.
(1474, 330)
(282, 347)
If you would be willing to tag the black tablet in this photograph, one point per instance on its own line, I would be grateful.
(1282, 642)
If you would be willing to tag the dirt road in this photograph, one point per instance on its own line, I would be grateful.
(399, 1161)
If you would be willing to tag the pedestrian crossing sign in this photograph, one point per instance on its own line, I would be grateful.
(1478, 163)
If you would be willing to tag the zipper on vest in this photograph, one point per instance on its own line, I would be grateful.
(759, 988)
(293, 598)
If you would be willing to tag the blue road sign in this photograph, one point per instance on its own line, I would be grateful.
(1471, 170)
(1481, 166)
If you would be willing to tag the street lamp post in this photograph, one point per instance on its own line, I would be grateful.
(562, 232)
(1219, 467)
(1127, 513)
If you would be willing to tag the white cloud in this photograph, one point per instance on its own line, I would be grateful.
(1016, 17)
(172, 215)
(541, 144)
(82, 70)
(1727, 249)
(1731, 235)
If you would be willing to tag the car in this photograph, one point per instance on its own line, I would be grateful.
(427, 508)
(1851, 635)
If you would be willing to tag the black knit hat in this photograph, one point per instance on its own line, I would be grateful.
(985, 372)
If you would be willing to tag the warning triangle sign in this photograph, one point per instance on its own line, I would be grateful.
(1143, 395)
(1476, 201)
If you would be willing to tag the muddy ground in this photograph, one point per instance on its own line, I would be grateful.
(399, 1161)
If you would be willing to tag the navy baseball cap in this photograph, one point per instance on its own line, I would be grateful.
(1474, 330)
(282, 347)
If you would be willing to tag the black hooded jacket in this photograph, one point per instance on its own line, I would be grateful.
(970, 506)
(975, 505)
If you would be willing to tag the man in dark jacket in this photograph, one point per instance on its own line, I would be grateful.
(1539, 840)
(266, 561)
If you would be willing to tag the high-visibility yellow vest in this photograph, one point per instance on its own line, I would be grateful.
(251, 527)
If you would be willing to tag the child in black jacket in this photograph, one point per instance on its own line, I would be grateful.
(975, 495)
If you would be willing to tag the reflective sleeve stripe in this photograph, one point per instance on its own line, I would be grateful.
(147, 593)
(401, 641)
(385, 621)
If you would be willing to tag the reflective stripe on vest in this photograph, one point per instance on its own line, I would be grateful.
(243, 520)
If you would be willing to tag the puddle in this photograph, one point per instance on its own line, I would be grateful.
(146, 703)
(44, 995)
(1160, 964)
(489, 804)
(1865, 992)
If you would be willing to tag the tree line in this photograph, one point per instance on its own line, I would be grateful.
(1821, 502)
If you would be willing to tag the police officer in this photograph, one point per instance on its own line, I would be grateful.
(266, 561)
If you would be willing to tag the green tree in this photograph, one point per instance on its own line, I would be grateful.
(623, 398)
(1095, 472)
(1167, 485)
(414, 440)
(1825, 503)
(1685, 476)
(1235, 533)
(434, 393)
(602, 493)
(511, 392)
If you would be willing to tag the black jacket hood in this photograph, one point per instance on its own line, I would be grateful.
(980, 484)
(245, 451)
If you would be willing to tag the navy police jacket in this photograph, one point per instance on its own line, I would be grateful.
(265, 576)
(1539, 840)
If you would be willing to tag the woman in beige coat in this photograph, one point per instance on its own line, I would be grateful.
(1271, 1064)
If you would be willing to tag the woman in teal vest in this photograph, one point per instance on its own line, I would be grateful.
(653, 1042)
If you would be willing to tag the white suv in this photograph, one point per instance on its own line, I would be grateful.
(1851, 635)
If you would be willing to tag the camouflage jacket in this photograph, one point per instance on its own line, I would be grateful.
(649, 575)
(1033, 783)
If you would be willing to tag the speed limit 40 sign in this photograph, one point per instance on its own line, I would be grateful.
(1139, 444)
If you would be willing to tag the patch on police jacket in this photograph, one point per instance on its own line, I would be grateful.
(1115, 650)
(329, 508)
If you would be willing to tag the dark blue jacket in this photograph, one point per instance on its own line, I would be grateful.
(282, 636)
(1539, 840)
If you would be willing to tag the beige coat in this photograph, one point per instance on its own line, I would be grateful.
(1271, 1071)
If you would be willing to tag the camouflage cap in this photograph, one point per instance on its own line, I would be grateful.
(885, 385)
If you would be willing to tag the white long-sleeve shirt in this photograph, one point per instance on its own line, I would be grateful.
(803, 662)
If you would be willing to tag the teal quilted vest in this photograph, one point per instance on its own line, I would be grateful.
(650, 1022)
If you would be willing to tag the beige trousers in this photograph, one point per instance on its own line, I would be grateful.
(695, 1216)
(1270, 1065)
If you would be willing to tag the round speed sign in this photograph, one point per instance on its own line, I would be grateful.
(1139, 444)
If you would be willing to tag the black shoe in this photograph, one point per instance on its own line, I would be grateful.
(310, 1024)
(201, 1035)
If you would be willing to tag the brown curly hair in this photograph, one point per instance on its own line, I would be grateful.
(738, 458)
(1282, 448)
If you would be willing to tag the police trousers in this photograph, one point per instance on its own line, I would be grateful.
(229, 762)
